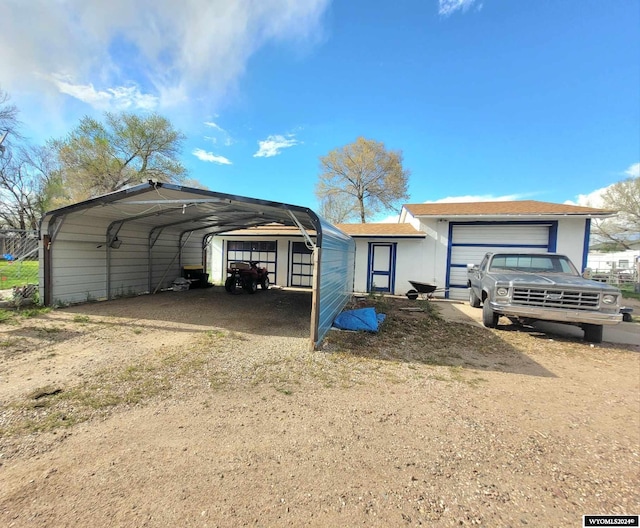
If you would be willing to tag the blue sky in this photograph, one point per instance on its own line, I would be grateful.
(487, 99)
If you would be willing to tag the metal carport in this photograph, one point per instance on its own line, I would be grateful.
(136, 240)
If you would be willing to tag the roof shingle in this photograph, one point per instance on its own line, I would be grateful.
(521, 207)
(380, 229)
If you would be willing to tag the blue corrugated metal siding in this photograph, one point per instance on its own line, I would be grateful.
(336, 269)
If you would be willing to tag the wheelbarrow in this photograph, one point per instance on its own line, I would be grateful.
(424, 290)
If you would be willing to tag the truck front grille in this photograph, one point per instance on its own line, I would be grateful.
(576, 300)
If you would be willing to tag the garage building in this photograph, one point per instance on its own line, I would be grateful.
(459, 234)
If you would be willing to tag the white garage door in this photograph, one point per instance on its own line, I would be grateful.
(469, 243)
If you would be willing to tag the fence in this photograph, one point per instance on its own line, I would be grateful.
(18, 262)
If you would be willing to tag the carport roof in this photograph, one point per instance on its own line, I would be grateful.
(191, 209)
(507, 208)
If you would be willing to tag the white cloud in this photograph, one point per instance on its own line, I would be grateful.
(393, 219)
(213, 125)
(633, 171)
(594, 198)
(120, 98)
(448, 7)
(478, 198)
(274, 144)
(195, 50)
(210, 157)
(221, 134)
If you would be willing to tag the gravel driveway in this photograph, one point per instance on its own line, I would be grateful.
(623, 333)
(205, 409)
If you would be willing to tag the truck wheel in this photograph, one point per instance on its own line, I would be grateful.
(489, 317)
(265, 283)
(230, 284)
(250, 286)
(592, 333)
(473, 299)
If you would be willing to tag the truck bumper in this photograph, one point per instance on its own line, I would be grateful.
(561, 316)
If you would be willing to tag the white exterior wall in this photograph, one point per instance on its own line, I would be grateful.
(218, 263)
(570, 241)
(435, 269)
(433, 260)
(360, 267)
(426, 260)
(409, 254)
(431, 254)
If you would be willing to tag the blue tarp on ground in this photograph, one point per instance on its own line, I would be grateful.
(361, 319)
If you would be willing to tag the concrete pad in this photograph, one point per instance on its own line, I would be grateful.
(459, 312)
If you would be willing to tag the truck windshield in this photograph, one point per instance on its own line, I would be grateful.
(532, 263)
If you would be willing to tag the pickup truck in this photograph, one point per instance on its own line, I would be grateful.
(527, 287)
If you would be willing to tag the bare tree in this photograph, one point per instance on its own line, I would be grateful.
(361, 180)
(16, 197)
(337, 207)
(8, 114)
(18, 194)
(622, 231)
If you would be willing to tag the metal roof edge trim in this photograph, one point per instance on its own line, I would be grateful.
(419, 235)
(85, 204)
(517, 215)
(112, 197)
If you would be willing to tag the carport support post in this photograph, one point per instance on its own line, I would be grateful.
(315, 300)
(46, 255)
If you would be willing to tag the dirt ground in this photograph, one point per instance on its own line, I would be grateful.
(201, 408)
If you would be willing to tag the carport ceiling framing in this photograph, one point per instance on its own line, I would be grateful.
(171, 205)
(193, 216)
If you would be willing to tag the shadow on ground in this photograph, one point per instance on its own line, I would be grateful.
(425, 337)
(274, 312)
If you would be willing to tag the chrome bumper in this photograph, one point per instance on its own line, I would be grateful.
(554, 314)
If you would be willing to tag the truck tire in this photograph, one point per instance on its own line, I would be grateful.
(592, 333)
(489, 317)
(474, 301)
(230, 284)
(265, 283)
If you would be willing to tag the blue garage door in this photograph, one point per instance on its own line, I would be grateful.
(469, 242)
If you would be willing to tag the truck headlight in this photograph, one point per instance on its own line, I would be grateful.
(502, 292)
(609, 299)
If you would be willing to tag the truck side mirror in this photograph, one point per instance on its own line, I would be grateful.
(472, 267)
(587, 273)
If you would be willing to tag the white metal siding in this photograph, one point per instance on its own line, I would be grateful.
(128, 265)
(165, 260)
(477, 240)
(78, 261)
